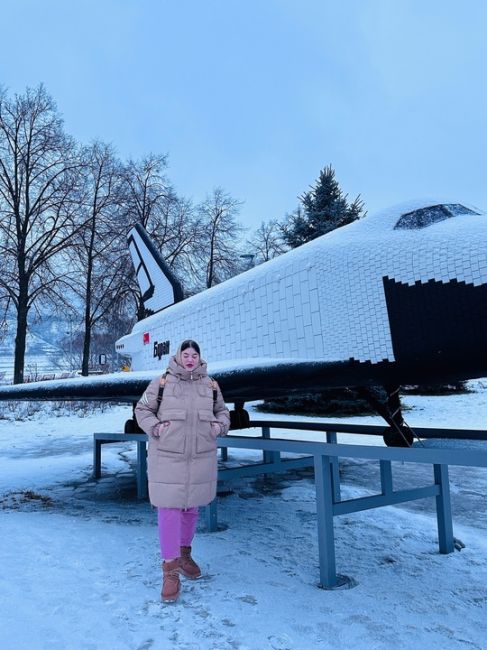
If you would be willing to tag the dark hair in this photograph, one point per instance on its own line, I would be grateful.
(190, 344)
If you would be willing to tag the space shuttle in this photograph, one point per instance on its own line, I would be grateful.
(398, 297)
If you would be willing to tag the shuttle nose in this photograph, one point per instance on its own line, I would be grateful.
(438, 317)
(441, 325)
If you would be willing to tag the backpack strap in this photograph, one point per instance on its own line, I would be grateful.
(214, 385)
(162, 383)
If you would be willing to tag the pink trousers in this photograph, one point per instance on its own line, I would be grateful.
(176, 529)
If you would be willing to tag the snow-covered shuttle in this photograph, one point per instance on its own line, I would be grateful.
(398, 297)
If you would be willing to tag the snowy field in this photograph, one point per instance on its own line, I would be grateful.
(81, 568)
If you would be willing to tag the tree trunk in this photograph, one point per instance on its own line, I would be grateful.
(209, 276)
(20, 338)
(87, 335)
(209, 279)
(141, 313)
(85, 365)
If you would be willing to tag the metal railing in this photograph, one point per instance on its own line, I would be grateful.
(324, 457)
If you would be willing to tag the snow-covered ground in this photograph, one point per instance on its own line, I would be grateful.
(81, 568)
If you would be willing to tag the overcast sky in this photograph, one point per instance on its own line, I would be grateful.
(257, 96)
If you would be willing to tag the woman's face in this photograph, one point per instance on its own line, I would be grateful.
(190, 358)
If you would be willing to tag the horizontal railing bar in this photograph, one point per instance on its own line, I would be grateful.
(380, 500)
(121, 436)
(444, 456)
(226, 473)
(437, 456)
(372, 429)
(363, 429)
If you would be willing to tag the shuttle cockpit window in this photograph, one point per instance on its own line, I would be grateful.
(425, 217)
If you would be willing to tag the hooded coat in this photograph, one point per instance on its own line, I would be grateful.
(182, 460)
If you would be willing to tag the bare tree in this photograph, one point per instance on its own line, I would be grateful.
(220, 253)
(267, 241)
(38, 182)
(96, 255)
(147, 189)
(180, 236)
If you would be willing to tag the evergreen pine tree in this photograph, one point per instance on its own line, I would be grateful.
(323, 208)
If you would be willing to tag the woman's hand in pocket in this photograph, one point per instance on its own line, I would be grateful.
(159, 428)
(216, 428)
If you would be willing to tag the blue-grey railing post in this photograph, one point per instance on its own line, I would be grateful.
(386, 477)
(97, 459)
(266, 433)
(331, 437)
(324, 510)
(269, 456)
(141, 470)
(443, 509)
(224, 453)
(211, 516)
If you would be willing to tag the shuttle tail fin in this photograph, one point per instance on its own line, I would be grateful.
(158, 285)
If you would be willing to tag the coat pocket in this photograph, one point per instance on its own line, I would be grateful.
(173, 437)
(205, 439)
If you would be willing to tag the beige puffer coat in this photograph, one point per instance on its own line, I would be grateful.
(182, 462)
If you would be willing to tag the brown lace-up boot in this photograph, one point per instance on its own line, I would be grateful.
(187, 565)
(171, 585)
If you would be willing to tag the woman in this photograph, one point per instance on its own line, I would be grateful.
(182, 412)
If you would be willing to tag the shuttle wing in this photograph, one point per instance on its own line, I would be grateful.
(119, 386)
(243, 380)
